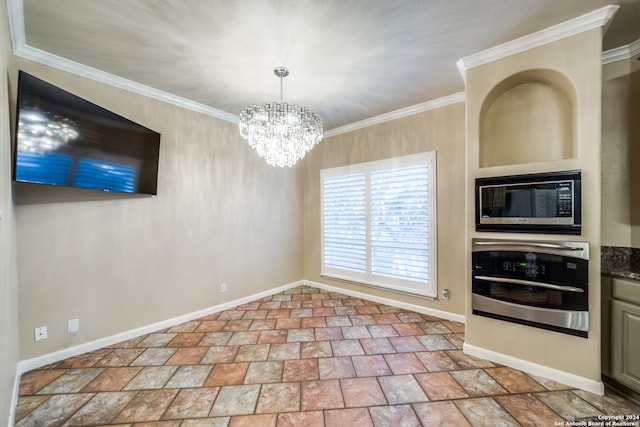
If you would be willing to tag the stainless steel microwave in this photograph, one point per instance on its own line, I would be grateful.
(533, 203)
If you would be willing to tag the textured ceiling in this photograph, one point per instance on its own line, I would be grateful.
(350, 60)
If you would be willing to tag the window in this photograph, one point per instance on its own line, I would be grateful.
(379, 223)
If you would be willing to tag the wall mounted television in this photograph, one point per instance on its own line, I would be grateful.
(64, 140)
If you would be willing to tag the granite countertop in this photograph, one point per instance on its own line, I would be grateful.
(621, 262)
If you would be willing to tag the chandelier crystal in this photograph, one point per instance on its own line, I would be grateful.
(279, 132)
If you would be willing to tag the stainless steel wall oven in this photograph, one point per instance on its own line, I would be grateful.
(544, 284)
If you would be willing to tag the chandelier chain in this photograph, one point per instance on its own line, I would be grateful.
(281, 72)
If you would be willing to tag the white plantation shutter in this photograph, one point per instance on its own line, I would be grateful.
(399, 223)
(378, 223)
(344, 221)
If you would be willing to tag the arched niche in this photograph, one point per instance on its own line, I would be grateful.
(529, 117)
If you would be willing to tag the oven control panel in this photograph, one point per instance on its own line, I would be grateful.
(523, 267)
(531, 266)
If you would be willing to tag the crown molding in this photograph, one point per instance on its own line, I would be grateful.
(67, 65)
(598, 18)
(24, 51)
(20, 48)
(397, 114)
(15, 12)
(621, 53)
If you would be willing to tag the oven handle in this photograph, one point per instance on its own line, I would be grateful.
(534, 244)
(531, 283)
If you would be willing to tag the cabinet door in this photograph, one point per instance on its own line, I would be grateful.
(625, 344)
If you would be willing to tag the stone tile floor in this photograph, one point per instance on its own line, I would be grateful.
(303, 357)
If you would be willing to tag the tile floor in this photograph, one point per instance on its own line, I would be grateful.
(304, 357)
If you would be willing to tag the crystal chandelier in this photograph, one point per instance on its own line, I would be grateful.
(281, 133)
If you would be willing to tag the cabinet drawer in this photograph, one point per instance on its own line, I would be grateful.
(626, 290)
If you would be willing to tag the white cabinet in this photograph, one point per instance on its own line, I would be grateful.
(625, 333)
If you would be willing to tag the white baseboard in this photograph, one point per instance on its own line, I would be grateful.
(572, 380)
(47, 359)
(413, 307)
(14, 397)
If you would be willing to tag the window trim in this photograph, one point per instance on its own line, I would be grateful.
(424, 289)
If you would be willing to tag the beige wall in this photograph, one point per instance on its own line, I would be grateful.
(441, 130)
(579, 59)
(119, 262)
(516, 106)
(616, 154)
(8, 269)
(620, 153)
(634, 152)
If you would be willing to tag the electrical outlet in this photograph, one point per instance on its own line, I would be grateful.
(40, 333)
(445, 293)
(73, 326)
(223, 288)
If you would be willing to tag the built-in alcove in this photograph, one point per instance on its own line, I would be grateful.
(529, 117)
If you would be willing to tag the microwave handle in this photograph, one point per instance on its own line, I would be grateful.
(534, 244)
(531, 283)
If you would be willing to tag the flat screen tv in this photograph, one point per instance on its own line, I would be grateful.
(62, 139)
